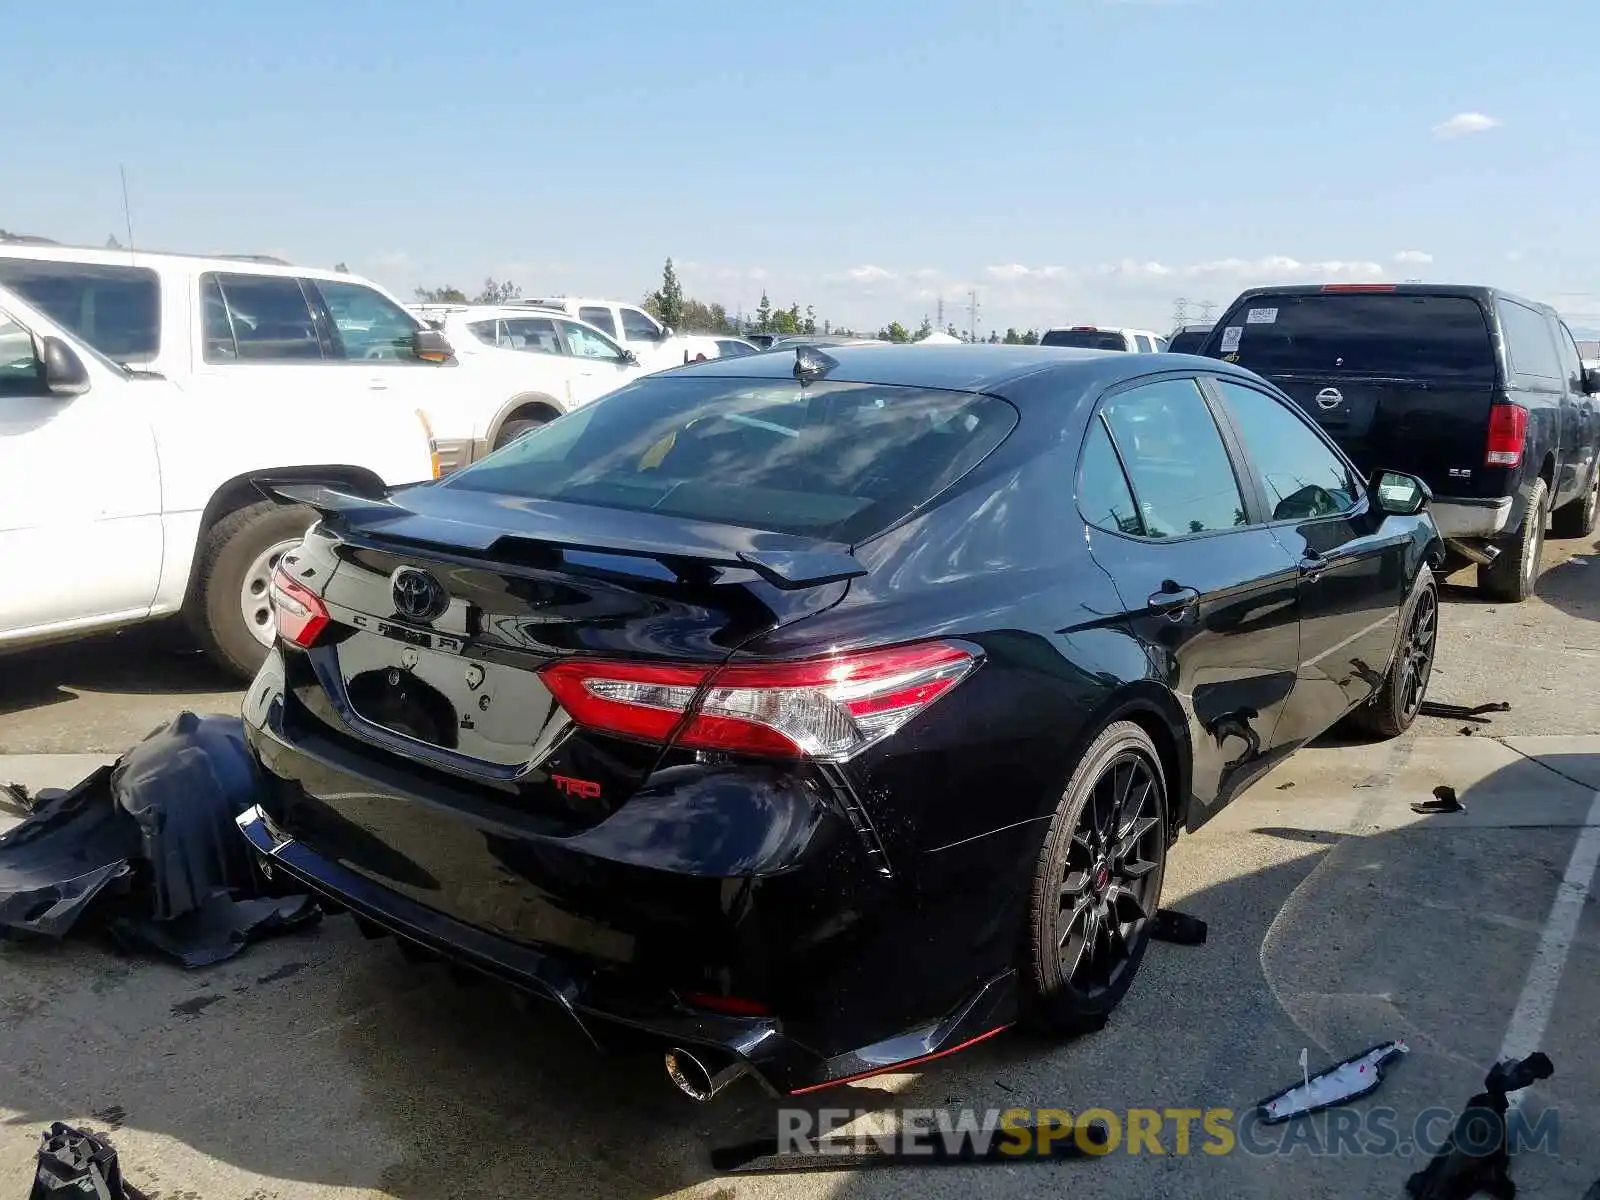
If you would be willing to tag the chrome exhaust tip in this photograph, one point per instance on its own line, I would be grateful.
(1479, 552)
(697, 1078)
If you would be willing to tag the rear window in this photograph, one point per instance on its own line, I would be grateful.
(1188, 343)
(1084, 339)
(1390, 336)
(839, 461)
(115, 309)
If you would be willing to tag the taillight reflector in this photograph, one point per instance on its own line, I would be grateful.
(300, 613)
(1508, 429)
(1358, 287)
(824, 707)
(733, 1006)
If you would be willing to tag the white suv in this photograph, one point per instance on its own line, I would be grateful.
(1094, 337)
(126, 495)
(655, 345)
(558, 362)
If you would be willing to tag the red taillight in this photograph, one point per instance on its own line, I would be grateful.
(1508, 429)
(732, 1006)
(1358, 287)
(300, 612)
(823, 707)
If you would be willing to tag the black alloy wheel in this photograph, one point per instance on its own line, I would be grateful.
(1098, 884)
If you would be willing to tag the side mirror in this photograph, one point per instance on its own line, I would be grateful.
(1591, 380)
(629, 357)
(64, 372)
(666, 332)
(432, 346)
(1399, 494)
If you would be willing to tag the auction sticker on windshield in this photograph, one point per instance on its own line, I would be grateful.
(1261, 316)
(1230, 338)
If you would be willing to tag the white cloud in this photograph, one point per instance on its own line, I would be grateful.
(1413, 258)
(390, 260)
(1465, 123)
(869, 274)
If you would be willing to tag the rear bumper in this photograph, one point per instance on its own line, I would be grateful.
(1470, 517)
(453, 453)
(857, 973)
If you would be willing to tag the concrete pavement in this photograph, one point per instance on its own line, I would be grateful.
(322, 1066)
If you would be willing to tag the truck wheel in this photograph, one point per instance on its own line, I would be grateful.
(512, 430)
(1512, 576)
(229, 611)
(1577, 519)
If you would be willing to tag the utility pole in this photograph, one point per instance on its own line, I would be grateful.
(941, 314)
(1206, 309)
(972, 328)
(1180, 310)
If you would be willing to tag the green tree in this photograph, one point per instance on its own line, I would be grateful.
(952, 331)
(1030, 338)
(894, 332)
(497, 293)
(441, 295)
(112, 243)
(341, 268)
(1012, 338)
(669, 302)
(811, 319)
(924, 329)
(764, 315)
(994, 338)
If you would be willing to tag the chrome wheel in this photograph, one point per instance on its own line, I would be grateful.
(1416, 663)
(1112, 873)
(255, 599)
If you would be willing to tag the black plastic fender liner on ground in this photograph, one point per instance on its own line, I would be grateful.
(154, 838)
(74, 1163)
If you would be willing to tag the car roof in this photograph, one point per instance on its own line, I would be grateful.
(998, 370)
(1475, 291)
(1100, 329)
(101, 257)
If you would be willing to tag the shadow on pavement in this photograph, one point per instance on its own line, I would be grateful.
(327, 1061)
(142, 661)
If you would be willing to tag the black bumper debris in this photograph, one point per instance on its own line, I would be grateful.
(149, 850)
(76, 1164)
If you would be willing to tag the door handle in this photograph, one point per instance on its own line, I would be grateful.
(1312, 566)
(1173, 599)
(378, 385)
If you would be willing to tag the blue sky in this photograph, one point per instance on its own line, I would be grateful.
(1074, 161)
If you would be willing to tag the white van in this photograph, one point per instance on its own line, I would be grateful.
(126, 495)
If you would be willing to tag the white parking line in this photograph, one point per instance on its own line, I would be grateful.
(1531, 1017)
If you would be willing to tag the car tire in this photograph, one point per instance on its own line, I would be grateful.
(233, 556)
(1079, 959)
(1578, 518)
(1513, 576)
(1399, 697)
(512, 430)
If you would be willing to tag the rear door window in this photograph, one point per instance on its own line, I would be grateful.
(257, 318)
(535, 334)
(839, 461)
(1360, 334)
(117, 310)
(1180, 470)
(638, 326)
(599, 317)
(1528, 342)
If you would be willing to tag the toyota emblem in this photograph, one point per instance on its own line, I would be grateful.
(418, 596)
(1330, 398)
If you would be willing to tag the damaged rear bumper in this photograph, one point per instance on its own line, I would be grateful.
(605, 1011)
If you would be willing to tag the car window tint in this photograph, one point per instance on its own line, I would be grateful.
(600, 318)
(1390, 335)
(1084, 339)
(370, 325)
(1182, 476)
(1302, 478)
(586, 343)
(268, 320)
(1528, 341)
(839, 461)
(1571, 360)
(19, 366)
(637, 327)
(537, 335)
(117, 310)
(486, 332)
(1104, 497)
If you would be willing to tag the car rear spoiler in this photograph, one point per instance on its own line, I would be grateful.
(789, 569)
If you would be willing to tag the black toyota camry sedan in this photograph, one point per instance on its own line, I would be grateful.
(814, 715)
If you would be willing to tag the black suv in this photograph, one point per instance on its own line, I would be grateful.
(1480, 393)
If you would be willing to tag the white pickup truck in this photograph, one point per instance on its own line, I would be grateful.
(127, 496)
